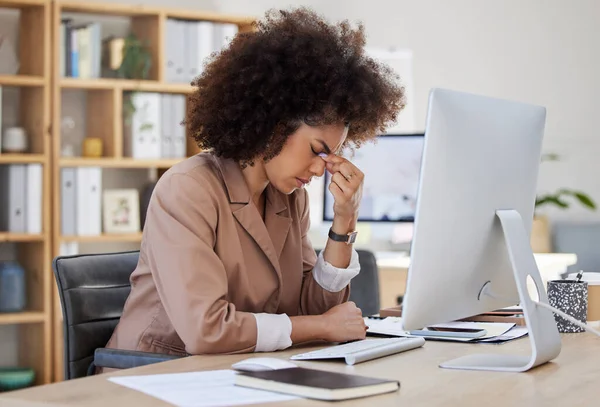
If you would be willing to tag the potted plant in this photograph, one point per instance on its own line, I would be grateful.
(135, 64)
(561, 198)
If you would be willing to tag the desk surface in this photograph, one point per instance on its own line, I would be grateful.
(571, 379)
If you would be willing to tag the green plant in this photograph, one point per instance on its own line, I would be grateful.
(135, 64)
(137, 60)
(557, 198)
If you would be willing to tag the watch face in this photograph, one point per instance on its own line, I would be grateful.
(352, 237)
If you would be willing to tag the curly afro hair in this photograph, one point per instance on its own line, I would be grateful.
(292, 68)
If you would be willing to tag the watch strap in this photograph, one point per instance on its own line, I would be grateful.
(348, 238)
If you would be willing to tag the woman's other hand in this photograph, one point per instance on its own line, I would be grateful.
(346, 187)
(344, 322)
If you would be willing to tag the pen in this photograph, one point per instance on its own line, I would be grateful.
(579, 275)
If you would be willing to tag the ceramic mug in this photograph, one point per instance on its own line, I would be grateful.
(14, 140)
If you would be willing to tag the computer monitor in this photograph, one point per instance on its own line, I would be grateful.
(391, 166)
(470, 251)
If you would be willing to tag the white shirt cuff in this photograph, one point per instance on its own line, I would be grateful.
(274, 332)
(334, 279)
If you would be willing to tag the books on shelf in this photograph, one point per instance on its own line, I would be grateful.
(21, 189)
(80, 49)
(154, 129)
(189, 43)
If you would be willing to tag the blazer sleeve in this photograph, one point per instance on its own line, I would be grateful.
(190, 278)
(315, 298)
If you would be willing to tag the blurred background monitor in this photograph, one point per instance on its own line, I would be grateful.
(391, 166)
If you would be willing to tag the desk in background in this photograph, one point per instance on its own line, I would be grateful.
(569, 380)
(393, 270)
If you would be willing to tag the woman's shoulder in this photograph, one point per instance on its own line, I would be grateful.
(200, 173)
(202, 167)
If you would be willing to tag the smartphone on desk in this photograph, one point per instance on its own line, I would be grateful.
(448, 332)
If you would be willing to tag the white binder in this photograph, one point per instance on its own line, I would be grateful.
(13, 198)
(88, 192)
(68, 205)
(170, 50)
(167, 118)
(144, 137)
(179, 139)
(33, 198)
(205, 43)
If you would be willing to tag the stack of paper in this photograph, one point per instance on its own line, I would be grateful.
(496, 332)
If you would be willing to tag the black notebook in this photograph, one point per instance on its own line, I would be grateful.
(316, 384)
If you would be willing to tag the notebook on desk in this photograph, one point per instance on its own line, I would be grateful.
(316, 384)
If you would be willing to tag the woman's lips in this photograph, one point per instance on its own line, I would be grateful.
(301, 182)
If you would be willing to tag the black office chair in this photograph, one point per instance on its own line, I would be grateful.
(93, 289)
(364, 289)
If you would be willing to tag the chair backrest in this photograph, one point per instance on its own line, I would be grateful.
(365, 286)
(93, 289)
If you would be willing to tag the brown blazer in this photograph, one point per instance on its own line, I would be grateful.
(208, 261)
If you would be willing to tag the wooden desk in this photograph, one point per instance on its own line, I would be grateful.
(570, 380)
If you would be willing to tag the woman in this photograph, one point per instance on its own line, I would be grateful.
(225, 263)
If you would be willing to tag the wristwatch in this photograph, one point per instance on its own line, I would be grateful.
(348, 238)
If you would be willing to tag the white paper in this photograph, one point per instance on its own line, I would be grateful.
(198, 389)
(514, 333)
(393, 326)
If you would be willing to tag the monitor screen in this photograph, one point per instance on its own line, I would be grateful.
(391, 166)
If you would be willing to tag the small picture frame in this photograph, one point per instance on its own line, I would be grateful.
(121, 211)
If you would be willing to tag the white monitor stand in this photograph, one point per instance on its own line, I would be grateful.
(541, 326)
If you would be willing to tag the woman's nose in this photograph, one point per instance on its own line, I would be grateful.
(318, 167)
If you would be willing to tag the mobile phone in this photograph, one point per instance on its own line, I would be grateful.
(449, 329)
(448, 332)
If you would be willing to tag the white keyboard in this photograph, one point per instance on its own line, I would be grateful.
(361, 351)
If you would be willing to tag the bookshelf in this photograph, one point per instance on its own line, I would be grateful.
(31, 111)
(104, 106)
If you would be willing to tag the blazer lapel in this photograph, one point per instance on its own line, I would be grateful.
(269, 235)
(277, 219)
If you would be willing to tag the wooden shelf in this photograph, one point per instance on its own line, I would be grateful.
(209, 16)
(21, 80)
(139, 10)
(106, 238)
(107, 8)
(6, 158)
(21, 3)
(20, 237)
(117, 162)
(125, 84)
(25, 317)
